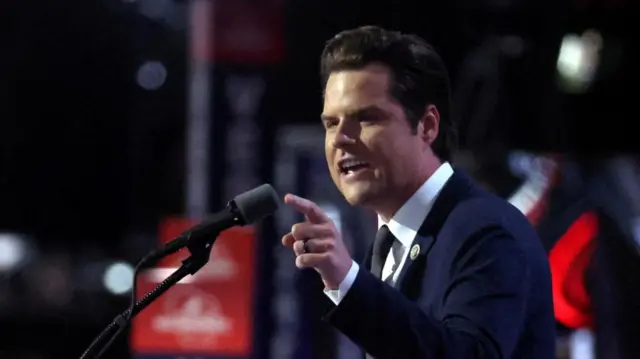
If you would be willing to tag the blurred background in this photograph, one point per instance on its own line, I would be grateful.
(122, 122)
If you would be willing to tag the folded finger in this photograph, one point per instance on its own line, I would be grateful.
(306, 230)
(315, 245)
(288, 240)
(310, 260)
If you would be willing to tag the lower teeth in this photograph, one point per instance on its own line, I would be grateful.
(351, 171)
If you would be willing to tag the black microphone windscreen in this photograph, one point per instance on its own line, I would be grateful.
(257, 203)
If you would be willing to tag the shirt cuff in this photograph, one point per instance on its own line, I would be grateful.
(336, 295)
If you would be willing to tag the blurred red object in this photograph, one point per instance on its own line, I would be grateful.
(569, 259)
(237, 31)
(210, 313)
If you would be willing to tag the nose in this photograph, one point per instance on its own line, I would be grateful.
(342, 139)
(345, 134)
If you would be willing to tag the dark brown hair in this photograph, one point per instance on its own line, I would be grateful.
(419, 75)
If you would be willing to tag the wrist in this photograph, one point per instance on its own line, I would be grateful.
(333, 282)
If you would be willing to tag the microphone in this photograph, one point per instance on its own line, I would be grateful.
(246, 208)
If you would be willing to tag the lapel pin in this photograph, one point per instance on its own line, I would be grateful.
(415, 250)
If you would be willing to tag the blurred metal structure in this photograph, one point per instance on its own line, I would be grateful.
(200, 116)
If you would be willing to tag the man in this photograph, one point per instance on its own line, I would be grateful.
(454, 271)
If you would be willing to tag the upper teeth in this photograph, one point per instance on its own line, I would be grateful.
(352, 163)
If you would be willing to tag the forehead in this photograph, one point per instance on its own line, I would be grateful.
(349, 90)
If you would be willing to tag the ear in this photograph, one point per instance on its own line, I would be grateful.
(429, 124)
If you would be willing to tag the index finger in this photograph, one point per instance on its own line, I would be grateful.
(311, 210)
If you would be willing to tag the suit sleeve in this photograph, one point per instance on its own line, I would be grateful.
(482, 314)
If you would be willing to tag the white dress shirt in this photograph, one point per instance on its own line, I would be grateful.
(404, 226)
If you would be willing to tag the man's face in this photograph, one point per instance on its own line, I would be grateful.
(373, 153)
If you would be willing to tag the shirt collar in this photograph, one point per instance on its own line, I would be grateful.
(407, 221)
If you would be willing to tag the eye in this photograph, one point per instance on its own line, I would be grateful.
(330, 123)
(368, 118)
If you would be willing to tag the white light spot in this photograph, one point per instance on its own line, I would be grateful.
(118, 278)
(570, 60)
(151, 75)
(12, 251)
(582, 344)
(578, 60)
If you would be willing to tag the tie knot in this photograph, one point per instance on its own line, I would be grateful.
(383, 242)
(381, 247)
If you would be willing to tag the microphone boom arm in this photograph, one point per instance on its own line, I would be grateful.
(248, 207)
(200, 250)
(204, 231)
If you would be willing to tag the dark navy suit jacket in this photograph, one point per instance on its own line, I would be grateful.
(479, 287)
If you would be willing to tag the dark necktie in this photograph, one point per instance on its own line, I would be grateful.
(381, 247)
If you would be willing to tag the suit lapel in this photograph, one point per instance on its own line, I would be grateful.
(415, 259)
(457, 188)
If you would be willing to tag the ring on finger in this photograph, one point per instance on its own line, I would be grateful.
(305, 246)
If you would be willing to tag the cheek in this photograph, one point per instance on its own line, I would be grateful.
(396, 155)
(330, 155)
(383, 147)
(328, 149)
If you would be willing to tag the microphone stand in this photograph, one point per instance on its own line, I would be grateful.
(200, 250)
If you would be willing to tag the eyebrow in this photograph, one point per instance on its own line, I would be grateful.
(356, 113)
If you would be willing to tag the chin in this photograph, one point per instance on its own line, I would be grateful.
(358, 196)
(353, 200)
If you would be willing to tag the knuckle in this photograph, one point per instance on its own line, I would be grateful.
(330, 245)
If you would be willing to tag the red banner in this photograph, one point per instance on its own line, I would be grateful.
(209, 313)
(239, 31)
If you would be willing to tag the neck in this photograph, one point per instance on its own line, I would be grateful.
(391, 205)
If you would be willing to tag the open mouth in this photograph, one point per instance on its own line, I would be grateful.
(351, 166)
